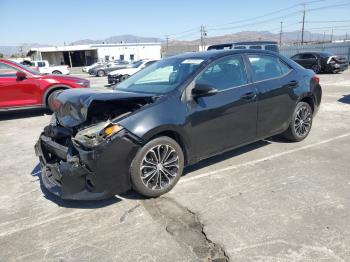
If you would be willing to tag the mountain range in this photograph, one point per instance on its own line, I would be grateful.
(287, 38)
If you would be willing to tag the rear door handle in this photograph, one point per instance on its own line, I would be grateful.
(293, 83)
(249, 96)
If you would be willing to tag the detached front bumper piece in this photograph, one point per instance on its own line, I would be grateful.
(71, 172)
(113, 79)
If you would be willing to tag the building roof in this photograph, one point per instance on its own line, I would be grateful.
(66, 48)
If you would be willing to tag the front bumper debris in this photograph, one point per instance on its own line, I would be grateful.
(113, 79)
(71, 172)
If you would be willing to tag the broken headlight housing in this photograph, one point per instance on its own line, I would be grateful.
(95, 135)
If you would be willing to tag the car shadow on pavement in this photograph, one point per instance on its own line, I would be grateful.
(91, 204)
(229, 154)
(16, 114)
(345, 99)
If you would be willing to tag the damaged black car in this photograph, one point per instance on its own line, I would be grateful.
(174, 113)
(322, 62)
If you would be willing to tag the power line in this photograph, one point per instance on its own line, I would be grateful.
(238, 23)
(257, 23)
(330, 21)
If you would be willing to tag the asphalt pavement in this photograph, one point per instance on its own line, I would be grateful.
(268, 201)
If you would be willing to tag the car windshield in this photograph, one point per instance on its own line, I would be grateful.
(161, 77)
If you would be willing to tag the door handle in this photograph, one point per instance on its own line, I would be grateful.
(249, 96)
(293, 83)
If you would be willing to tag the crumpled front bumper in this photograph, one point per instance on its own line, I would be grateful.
(78, 174)
(113, 79)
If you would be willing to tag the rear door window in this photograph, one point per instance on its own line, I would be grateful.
(265, 67)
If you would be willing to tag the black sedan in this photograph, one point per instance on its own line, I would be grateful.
(104, 69)
(321, 62)
(174, 113)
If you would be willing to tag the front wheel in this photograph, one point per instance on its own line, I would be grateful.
(56, 72)
(301, 123)
(316, 68)
(100, 73)
(157, 167)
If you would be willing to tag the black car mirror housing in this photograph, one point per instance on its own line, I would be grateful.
(201, 90)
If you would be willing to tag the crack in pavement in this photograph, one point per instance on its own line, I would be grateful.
(127, 212)
(186, 228)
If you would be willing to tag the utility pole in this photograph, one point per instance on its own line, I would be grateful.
(167, 43)
(324, 37)
(303, 25)
(203, 35)
(21, 51)
(332, 36)
(281, 33)
(346, 36)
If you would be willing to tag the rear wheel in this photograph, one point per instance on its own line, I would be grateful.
(301, 123)
(157, 167)
(56, 72)
(100, 73)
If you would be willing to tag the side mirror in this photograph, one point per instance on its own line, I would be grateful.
(201, 90)
(21, 75)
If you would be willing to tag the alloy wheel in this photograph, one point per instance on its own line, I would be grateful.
(316, 69)
(159, 167)
(302, 123)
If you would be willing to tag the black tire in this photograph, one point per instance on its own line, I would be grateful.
(123, 77)
(301, 123)
(100, 73)
(316, 68)
(56, 72)
(50, 97)
(148, 175)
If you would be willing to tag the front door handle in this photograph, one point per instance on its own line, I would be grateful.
(249, 96)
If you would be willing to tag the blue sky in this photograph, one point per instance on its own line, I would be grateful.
(55, 22)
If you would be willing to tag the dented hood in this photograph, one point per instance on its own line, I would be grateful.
(72, 106)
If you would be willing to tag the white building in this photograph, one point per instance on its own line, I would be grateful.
(82, 55)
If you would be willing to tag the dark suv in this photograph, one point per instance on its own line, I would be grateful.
(257, 45)
(171, 114)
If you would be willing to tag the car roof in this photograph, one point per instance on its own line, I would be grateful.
(213, 54)
(311, 52)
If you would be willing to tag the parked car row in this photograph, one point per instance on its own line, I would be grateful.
(102, 69)
(120, 75)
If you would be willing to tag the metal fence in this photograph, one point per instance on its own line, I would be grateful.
(342, 49)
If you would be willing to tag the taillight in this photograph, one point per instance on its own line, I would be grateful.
(317, 79)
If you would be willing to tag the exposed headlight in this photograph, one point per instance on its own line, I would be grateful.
(97, 134)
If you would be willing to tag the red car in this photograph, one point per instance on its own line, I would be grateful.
(22, 87)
